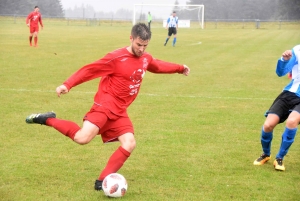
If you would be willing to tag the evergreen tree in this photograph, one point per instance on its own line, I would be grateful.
(290, 9)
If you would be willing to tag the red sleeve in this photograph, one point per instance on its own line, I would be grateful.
(100, 68)
(28, 17)
(158, 66)
(40, 20)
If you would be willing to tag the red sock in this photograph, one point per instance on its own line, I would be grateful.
(30, 40)
(67, 128)
(115, 162)
(35, 40)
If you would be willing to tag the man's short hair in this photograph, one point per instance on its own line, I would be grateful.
(174, 11)
(35, 6)
(141, 30)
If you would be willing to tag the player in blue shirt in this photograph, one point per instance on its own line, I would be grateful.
(172, 24)
(285, 107)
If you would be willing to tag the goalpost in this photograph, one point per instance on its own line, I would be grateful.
(187, 14)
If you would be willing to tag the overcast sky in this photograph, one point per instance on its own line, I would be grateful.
(114, 5)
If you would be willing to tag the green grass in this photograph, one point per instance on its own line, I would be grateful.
(197, 136)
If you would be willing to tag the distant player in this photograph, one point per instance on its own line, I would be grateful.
(32, 21)
(286, 107)
(172, 26)
(149, 20)
(122, 72)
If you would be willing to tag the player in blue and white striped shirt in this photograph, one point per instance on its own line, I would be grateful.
(285, 107)
(172, 24)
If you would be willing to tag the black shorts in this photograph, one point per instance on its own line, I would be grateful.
(172, 30)
(284, 104)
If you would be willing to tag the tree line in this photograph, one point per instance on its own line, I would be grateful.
(246, 9)
(52, 8)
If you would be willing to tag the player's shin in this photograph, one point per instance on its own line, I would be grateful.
(115, 162)
(67, 128)
(30, 40)
(288, 137)
(35, 40)
(266, 139)
(174, 41)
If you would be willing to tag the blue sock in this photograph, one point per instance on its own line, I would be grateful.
(266, 139)
(287, 140)
(167, 40)
(174, 41)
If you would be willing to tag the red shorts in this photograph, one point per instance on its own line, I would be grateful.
(111, 126)
(34, 29)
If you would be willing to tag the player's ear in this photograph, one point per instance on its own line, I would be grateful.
(131, 38)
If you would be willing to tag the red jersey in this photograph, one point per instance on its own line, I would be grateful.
(122, 74)
(34, 18)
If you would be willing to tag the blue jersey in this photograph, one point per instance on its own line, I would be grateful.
(284, 67)
(172, 21)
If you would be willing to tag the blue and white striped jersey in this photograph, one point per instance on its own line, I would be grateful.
(284, 67)
(172, 21)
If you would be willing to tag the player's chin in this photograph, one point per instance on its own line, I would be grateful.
(138, 54)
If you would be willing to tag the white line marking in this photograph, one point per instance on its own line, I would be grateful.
(199, 43)
(147, 94)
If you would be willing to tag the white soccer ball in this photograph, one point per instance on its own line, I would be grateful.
(114, 185)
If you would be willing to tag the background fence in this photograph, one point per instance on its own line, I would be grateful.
(208, 24)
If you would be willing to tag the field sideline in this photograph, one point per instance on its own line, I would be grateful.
(197, 136)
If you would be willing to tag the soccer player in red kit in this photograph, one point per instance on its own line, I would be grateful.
(32, 21)
(122, 73)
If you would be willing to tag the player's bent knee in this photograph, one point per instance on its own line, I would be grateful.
(81, 140)
(129, 145)
(270, 123)
(86, 134)
(132, 145)
(292, 122)
(269, 126)
(128, 142)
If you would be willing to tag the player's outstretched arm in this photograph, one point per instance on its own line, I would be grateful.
(186, 70)
(62, 89)
(159, 66)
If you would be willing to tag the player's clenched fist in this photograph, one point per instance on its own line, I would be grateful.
(186, 70)
(62, 89)
(287, 54)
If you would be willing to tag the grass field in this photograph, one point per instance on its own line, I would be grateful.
(197, 136)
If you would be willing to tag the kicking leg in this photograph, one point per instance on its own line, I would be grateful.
(68, 128)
